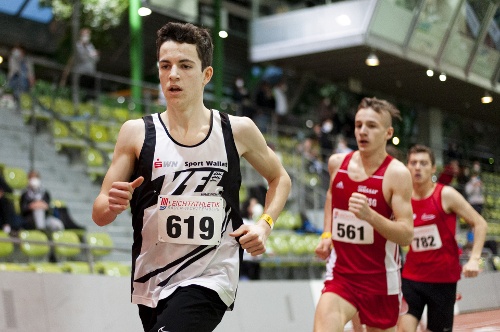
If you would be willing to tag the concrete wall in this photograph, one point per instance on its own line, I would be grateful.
(63, 302)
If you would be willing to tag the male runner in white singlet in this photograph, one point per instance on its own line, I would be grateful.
(179, 171)
(367, 215)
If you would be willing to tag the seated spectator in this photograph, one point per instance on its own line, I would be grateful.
(449, 173)
(250, 266)
(35, 206)
(10, 222)
(307, 226)
(61, 212)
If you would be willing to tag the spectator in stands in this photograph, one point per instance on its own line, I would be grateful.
(35, 206)
(265, 106)
(326, 139)
(86, 56)
(242, 99)
(250, 266)
(449, 173)
(21, 75)
(281, 105)
(306, 225)
(84, 63)
(309, 150)
(474, 188)
(342, 146)
(61, 212)
(10, 222)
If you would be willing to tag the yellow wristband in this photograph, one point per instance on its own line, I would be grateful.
(326, 235)
(267, 218)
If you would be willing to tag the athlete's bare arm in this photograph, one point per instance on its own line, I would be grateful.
(252, 146)
(325, 245)
(453, 202)
(397, 187)
(116, 191)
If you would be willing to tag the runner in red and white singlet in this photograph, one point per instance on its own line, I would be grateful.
(432, 268)
(367, 215)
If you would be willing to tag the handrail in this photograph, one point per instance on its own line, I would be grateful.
(85, 246)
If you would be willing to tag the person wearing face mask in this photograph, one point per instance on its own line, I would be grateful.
(21, 75)
(35, 206)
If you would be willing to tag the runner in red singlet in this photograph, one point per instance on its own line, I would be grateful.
(432, 268)
(367, 215)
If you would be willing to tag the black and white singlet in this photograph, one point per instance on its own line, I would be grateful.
(183, 213)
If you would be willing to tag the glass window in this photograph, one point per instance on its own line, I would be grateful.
(488, 53)
(433, 22)
(392, 19)
(465, 32)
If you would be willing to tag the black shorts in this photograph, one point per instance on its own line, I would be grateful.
(440, 300)
(188, 309)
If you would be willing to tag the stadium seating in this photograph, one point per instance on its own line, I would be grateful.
(16, 177)
(61, 239)
(34, 251)
(101, 243)
(6, 248)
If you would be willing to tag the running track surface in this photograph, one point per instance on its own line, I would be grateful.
(481, 321)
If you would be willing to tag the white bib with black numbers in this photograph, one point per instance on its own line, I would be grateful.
(426, 238)
(346, 227)
(190, 219)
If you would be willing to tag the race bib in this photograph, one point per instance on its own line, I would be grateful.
(348, 228)
(190, 219)
(426, 238)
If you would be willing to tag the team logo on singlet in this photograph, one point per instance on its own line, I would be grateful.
(197, 180)
(427, 217)
(366, 190)
(160, 164)
(340, 185)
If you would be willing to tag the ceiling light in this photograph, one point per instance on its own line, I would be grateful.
(487, 98)
(430, 72)
(372, 60)
(144, 11)
(442, 77)
(343, 20)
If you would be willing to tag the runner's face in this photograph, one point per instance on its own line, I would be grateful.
(372, 129)
(181, 77)
(421, 167)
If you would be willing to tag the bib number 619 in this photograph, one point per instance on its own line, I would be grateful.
(205, 227)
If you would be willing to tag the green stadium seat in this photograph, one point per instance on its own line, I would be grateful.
(96, 165)
(112, 269)
(61, 238)
(68, 136)
(34, 250)
(98, 133)
(6, 248)
(96, 240)
(16, 177)
(45, 267)
(64, 107)
(76, 267)
(120, 114)
(13, 267)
